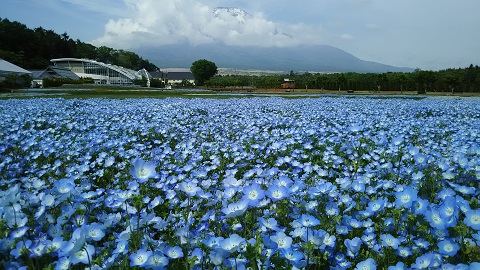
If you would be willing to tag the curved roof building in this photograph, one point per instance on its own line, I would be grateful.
(100, 72)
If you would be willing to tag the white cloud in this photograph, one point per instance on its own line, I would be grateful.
(347, 37)
(152, 22)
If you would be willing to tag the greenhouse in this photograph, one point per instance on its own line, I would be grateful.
(102, 73)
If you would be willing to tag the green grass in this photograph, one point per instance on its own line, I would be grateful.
(121, 92)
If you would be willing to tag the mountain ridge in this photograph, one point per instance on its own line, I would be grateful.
(312, 58)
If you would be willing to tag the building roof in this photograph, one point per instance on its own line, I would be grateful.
(158, 74)
(131, 74)
(7, 67)
(55, 72)
(180, 75)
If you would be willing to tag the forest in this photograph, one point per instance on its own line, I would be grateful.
(33, 49)
(449, 80)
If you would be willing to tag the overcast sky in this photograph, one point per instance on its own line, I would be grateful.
(425, 34)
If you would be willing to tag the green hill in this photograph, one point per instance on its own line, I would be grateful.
(33, 48)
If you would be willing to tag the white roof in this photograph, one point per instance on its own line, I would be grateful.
(131, 74)
(6, 66)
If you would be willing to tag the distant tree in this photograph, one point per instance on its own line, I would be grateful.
(424, 79)
(203, 70)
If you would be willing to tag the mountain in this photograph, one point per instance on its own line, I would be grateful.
(226, 13)
(314, 58)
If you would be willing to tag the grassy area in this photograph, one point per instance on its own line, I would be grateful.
(120, 92)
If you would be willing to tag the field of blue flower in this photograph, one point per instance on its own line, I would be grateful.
(257, 183)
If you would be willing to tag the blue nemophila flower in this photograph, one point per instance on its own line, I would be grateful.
(63, 263)
(420, 206)
(311, 206)
(283, 181)
(398, 266)
(233, 243)
(270, 223)
(140, 257)
(236, 209)
(448, 247)
(472, 219)
(19, 232)
(466, 190)
(75, 244)
(156, 261)
(369, 239)
(142, 170)
(190, 188)
(254, 193)
(38, 249)
(368, 264)
(308, 221)
(83, 255)
(276, 193)
(213, 242)
(422, 243)
(420, 159)
(331, 209)
(217, 256)
(424, 261)
(95, 231)
(358, 186)
(155, 202)
(389, 240)
(293, 256)
(173, 252)
(19, 247)
(353, 246)
(435, 219)
(404, 251)
(398, 140)
(341, 229)
(329, 240)
(122, 247)
(299, 232)
(64, 185)
(197, 254)
(236, 263)
(406, 197)
(475, 265)
(282, 240)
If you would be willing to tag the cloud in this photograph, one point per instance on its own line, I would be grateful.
(347, 37)
(152, 22)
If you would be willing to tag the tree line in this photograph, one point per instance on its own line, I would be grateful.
(33, 48)
(449, 80)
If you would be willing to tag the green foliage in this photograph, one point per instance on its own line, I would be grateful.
(56, 82)
(203, 70)
(450, 80)
(33, 49)
(156, 83)
(141, 82)
(15, 81)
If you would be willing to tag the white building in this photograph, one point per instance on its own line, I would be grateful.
(102, 73)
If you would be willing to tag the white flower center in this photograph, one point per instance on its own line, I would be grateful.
(276, 194)
(405, 198)
(476, 219)
(436, 218)
(143, 172)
